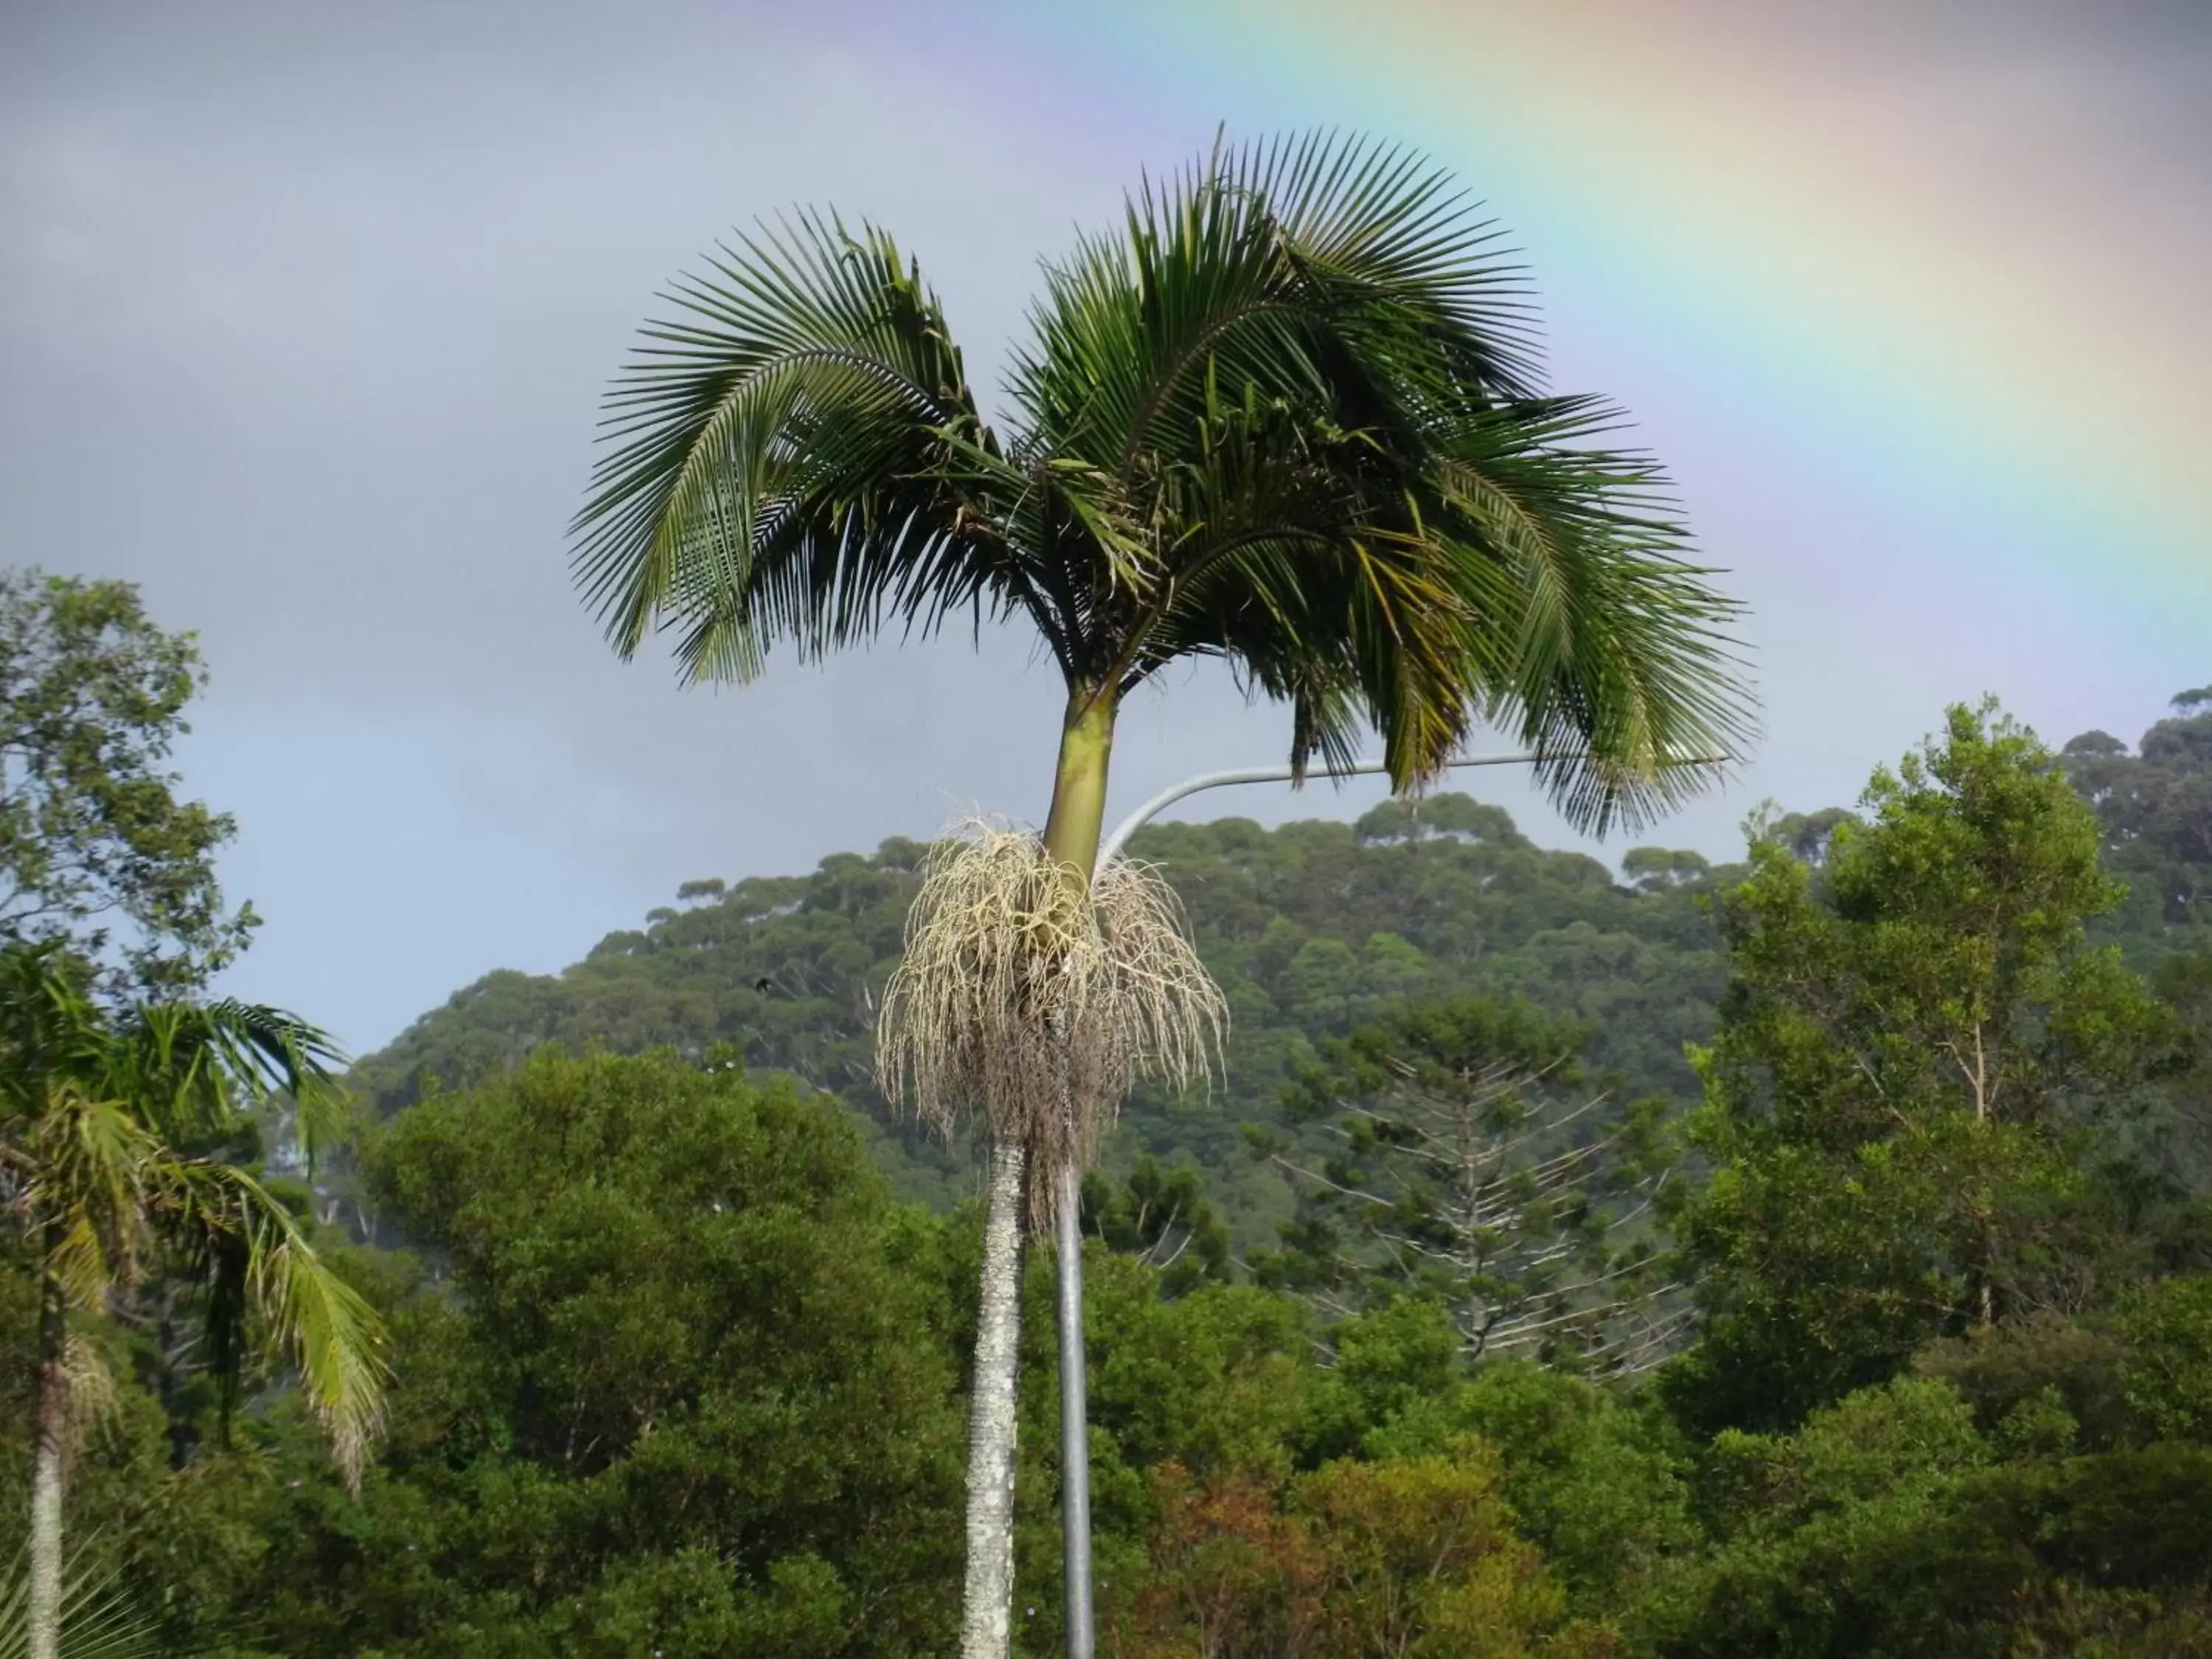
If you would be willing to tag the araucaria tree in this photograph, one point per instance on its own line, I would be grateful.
(1465, 1161)
(112, 1129)
(1289, 417)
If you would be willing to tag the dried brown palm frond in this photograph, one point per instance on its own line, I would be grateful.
(1021, 1005)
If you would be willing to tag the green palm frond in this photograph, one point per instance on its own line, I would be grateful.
(99, 1619)
(1601, 646)
(801, 410)
(258, 1267)
(1328, 272)
(196, 1069)
(266, 1052)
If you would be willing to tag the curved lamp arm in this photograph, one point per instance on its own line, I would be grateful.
(1167, 796)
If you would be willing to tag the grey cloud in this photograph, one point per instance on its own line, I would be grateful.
(304, 315)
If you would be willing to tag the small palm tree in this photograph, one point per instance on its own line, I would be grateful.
(100, 1115)
(1289, 418)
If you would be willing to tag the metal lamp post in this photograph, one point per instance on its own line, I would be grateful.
(1074, 1427)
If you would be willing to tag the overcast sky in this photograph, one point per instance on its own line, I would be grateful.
(304, 310)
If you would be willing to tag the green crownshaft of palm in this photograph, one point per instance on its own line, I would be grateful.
(105, 1117)
(1288, 416)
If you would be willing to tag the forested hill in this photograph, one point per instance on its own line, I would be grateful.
(1310, 927)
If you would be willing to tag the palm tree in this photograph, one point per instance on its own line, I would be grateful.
(104, 1119)
(1289, 417)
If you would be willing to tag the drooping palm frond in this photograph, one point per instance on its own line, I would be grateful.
(260, 1273)
(1599, 642)
(781, 461)
(83, 1188)
(1289, 415)
(198, 1070)
(1016, 1005)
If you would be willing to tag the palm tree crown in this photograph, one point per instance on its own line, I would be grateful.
(1289, 417)
(112, 1132)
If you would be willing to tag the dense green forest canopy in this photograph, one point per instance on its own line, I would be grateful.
(677, 1372)
(1313, 928)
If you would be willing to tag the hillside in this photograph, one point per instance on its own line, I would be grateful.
(1311, 928)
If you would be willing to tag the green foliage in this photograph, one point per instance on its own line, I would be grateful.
(95, 847)
(2155, 809)
(625, 1419)
(1163, 1217)
(678, 1377)
(98, 1619)
(1913, 1035)
(1889, 1525)
(1596, 1480)
(2167, 1376)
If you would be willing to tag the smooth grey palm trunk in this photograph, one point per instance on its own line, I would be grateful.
(986, 1608)
(45, 1632)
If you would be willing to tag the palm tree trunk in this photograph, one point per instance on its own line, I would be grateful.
(988, 1606)
(1071, 835)
(45, 1624)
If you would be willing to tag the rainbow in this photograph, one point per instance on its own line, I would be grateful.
(2002, 358)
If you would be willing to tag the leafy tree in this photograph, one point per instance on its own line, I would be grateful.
(1911, 1033)
(1232, 1577)
(1652, 868)
(680, 1377)
(1462, 1166)
(1593, 1476)
(1421, 1558)
(1412, 1556)
(1164, 1218)
(99, 1113)
(95, 847)
(2185, 1140)
(1891, 1523)
(2166, 1379)
(1289, 419)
